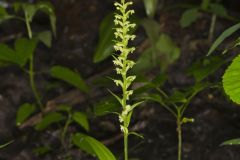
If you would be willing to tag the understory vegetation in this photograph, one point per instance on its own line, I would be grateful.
(138, 65)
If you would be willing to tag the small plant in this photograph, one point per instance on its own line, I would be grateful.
(230, 79)
(123, 65)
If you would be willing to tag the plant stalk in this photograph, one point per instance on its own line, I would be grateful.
(179, 130)
(31, 67)
(126, 146)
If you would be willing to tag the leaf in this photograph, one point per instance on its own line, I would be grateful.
(188, 17)
(6, 144)
(204, 67)
(67, 75)
(231, 142)
(170, 52)
(81, 119)
(48, 120)
(218, 9)
(46, 38)
(152, 28)
(106, 36)
(230, 80)
(29, 10)
(205, 4)
(144, 62)
(106, 106)
(24, 112)
(150, 7)
(7, 54)
(177, 97)
(92, 146)
(154, 97)
(136, 134)
(228, 32)
(40, 151)
(24, 49)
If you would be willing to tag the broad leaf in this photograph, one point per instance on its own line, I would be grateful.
(24, 48)
(169, 51)
(48, 120)
(81, 119)
(152, 28)
(188, 17)
(223, 36)
(92, 147)
(24, 112)
(231, 79)
(70, 77)
(231, 142)
(150, 7)
(45, 37)
(106, 35)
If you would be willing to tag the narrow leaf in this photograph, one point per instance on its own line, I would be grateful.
(231, 142)
(48, 120)
(223, 36)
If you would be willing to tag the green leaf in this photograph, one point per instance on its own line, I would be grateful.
(204, 67)
(106, 106)
(24, 112)
(92, 147)
(218, 9)
(24, 49)
(230, 80)
(40, 151)
(144, 62)
(106, 35)
(29, 10)
(154, 97)
(48, 120)
(136, 134)
(152, 28)
(205, 4)
(81, 119)
(188, 17)
(7, 54)
(6, 144)
(231, 142)
(228, 32)
(177, 97)
(46, 38)
(70, 77)
(150, 7)
(170, 52)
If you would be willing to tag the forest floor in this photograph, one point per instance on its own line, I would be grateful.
(216, 119)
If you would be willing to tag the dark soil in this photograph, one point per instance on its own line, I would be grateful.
(216, 119)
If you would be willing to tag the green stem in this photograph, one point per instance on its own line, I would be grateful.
(31, 67)
(126, 146)
(212, 27)
(179, 130)
(64, 131)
